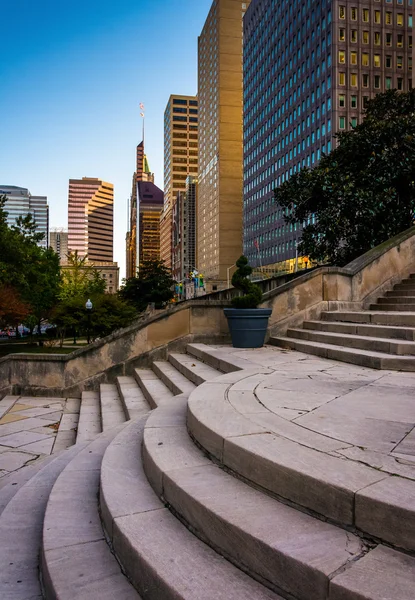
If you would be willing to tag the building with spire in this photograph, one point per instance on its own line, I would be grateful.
(145, 207)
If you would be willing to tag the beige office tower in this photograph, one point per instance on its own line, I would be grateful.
(220, 85)
(180, 161)
(58, 241)
(91, 218)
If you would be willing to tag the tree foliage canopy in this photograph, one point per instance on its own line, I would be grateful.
(153, 283)
(363, 192)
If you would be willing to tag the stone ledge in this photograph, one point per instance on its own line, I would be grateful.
(315, 479)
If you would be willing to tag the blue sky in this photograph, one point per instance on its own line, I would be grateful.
(72, 75)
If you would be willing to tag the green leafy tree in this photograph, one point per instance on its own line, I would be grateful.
(363, 192)
(153, 283)
(252, 294)
(108, 314)
(80, 279)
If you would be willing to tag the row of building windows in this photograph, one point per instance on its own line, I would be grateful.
(377, 60)
(377, 38)
(377, 16)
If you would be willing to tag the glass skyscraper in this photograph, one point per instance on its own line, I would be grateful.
(20, 203)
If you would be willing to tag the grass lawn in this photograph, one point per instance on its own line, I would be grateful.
(27, 348)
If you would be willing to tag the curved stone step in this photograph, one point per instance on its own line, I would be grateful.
(348, 340)
(344, 491)
(133, 399)
(161, 557)
(21, 525)
(287, 549)
(89, 424)
(170, 376)
(77, 563)
(357, 356)
(382, 331)
(217, 357)
(112, 409)
(193, 369)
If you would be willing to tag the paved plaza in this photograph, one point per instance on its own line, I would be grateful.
(33, 428)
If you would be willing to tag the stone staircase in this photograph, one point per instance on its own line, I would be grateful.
(168, 494)
(382, 337)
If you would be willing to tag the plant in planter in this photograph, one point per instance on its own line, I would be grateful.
(247, 323)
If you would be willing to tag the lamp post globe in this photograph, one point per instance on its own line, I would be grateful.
(89, 306)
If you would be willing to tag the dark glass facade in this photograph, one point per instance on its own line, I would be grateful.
(309, 69)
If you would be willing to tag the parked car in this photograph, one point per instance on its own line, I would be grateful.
(3, 333)
(11, 333)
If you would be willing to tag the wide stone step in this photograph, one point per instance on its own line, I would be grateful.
(356, 356)
(381, 331)
(217, 357)
(133, 399)
(255, 531)
(112, 409)
(77, 562)
(373, 317)
(397, 300)
(348, 340)
(155, 391)
(193, 369)
(172, 378)
(394, 307)
(21, 525)
(399, 293)
(408, 286)
(89, 424)
(160, 556)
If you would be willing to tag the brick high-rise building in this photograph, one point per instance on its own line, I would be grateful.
(20, 203)
(91, 218)
(309, 70)
(180, 161)
(219, 215)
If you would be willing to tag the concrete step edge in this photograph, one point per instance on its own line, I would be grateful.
(111, 406)
(135, 405)
(354, 341)
(160, 556)
(202, 494)
(21, 525)
(393, 331)
(344, 491)
(89, 424)
(364, 358)
(72, 533)
(154, 390)
(193, 369)
(219, 359)
(173, 378)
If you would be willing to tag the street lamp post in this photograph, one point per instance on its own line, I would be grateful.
(88, 306)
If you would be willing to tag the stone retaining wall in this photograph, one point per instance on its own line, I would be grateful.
(292, 300)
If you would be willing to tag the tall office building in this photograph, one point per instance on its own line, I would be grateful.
(91, 218)
(184, 259)
(20, 203)
(180, 161)
(142, 173)
(309, 71)
(150, 206)
(219, 215)
(58, 241)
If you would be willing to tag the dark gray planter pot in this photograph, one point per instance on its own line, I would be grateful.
(248, 326)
